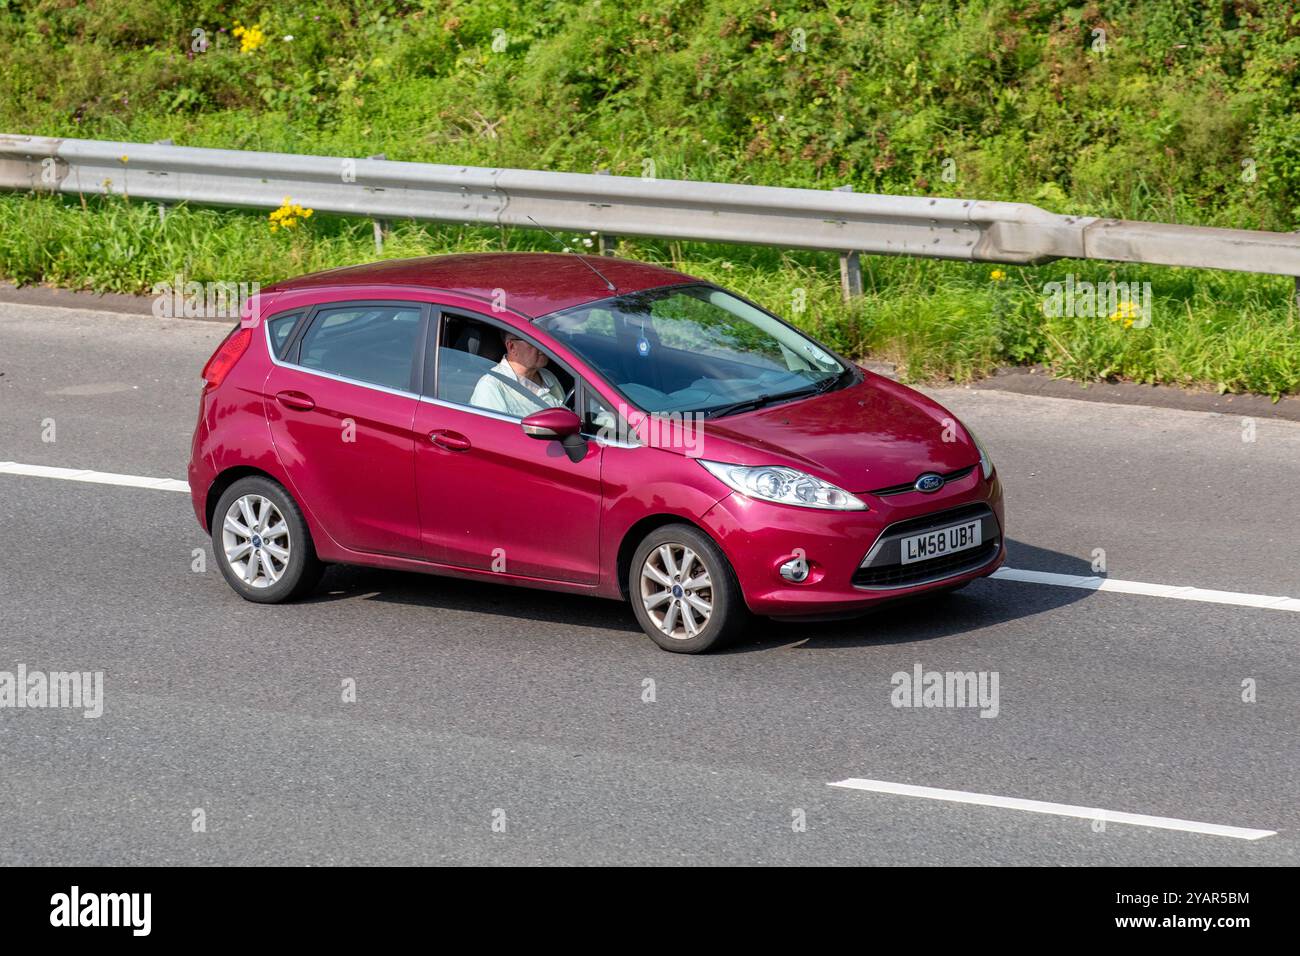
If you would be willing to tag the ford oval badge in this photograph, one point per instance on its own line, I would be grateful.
(929, 482)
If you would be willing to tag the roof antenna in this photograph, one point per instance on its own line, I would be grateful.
(565, 248)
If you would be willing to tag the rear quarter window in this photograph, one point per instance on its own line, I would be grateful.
(279, 327)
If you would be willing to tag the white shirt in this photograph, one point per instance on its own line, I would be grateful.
(495, 393)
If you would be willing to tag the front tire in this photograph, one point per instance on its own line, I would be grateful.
(262, 544)
(684, 592)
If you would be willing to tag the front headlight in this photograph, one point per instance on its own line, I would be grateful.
(783, 486)
(986, 463)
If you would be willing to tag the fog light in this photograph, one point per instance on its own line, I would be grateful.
(796, 569)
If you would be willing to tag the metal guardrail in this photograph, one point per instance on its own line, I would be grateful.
(1000, 232)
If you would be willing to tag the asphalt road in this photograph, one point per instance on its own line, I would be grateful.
(477, 704)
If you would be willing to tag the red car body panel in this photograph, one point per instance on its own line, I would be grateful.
(427, 485)
(541, 517)
(871, 435)
(363, 489)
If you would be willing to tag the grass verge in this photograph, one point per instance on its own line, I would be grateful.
(935, 320)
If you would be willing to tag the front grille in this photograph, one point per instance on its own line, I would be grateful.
(911, 485)
(949, 565)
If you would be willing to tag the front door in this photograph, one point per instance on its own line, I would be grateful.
(492, 498)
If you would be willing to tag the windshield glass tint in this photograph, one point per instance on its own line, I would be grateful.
(692, 349)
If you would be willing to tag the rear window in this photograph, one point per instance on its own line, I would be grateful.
(374, 344)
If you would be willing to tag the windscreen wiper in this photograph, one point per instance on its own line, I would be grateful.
(759, 401)
(826, 384)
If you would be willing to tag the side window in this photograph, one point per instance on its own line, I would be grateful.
(599, 420)
(373, 343)
(279, 327)
(476, 367)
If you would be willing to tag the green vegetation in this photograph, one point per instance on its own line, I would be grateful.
(1166, 110)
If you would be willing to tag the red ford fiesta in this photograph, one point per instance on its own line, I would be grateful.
(589, 425)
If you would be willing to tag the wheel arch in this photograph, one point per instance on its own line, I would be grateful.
(227, 478)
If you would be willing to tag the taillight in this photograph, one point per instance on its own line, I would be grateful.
(225, 357)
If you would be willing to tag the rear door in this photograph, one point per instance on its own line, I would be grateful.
(341, 401)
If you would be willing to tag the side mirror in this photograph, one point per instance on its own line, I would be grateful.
(560, 424)
(551, 423)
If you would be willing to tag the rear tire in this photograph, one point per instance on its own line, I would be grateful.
(262, 544)
(684, 593)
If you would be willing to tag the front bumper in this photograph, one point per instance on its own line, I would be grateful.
(852, 556)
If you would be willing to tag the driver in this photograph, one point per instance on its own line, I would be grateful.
(522, 364)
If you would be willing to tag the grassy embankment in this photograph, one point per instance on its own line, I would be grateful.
(1181, 113)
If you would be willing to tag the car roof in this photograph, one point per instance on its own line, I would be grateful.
(534, 283)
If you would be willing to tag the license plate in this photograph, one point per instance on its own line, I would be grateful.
(935, 544)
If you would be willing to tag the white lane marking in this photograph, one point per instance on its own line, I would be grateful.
(94, 477)
(1266, 601)
(1057, 809)
(1269, 602)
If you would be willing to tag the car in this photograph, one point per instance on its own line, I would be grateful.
(588, 425)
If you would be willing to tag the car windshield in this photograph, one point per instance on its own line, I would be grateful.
(694, 349)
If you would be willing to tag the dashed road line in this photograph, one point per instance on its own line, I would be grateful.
(1056, 809)
(1270, 602)
(94, 477)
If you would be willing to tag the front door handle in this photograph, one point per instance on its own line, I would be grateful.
(452, 441)
(291, 399)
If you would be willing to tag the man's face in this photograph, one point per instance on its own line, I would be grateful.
(523, 354)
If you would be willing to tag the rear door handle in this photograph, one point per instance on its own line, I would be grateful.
(298, 400)
(452, 441)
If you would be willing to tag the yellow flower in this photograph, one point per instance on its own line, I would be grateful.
(250, 38)
(288, 215)
(997, 275)
(1128, 311)
(122, 158)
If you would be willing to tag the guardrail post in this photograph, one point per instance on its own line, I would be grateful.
(608, 244)
(381, 225)
(850, 264)
(162, 206)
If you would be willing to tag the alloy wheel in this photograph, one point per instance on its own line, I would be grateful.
(676, 591)
(256, 540)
